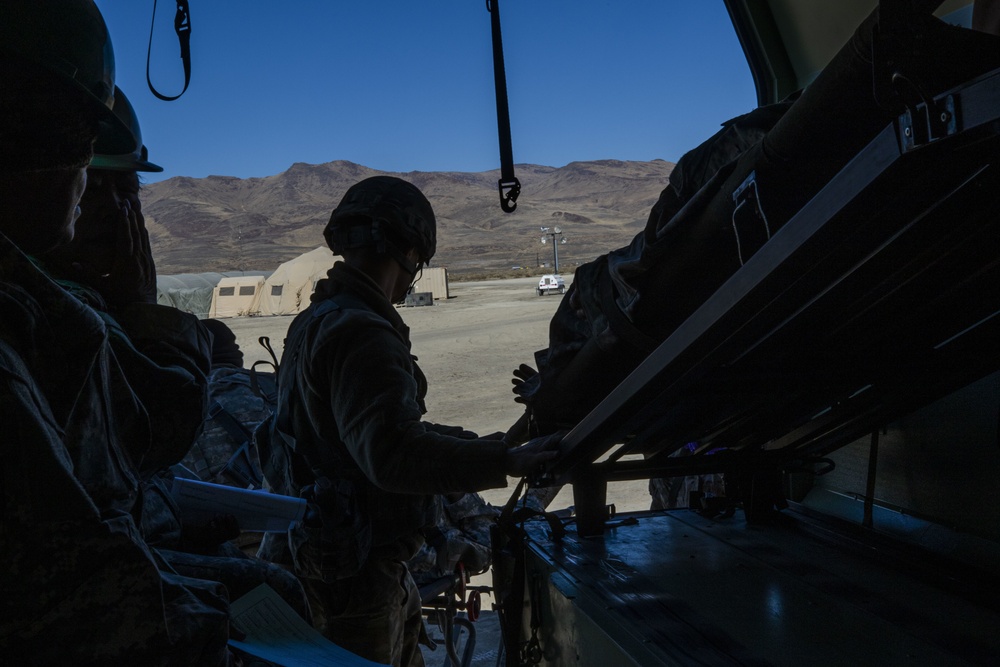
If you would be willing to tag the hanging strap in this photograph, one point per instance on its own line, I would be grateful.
(182, 26)
(508, 184)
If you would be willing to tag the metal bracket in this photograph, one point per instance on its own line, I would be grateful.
(509, 192)
(928, 122)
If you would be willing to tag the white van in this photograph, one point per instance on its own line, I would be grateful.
(551, 282)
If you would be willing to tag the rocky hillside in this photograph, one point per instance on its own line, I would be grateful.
(225, 224)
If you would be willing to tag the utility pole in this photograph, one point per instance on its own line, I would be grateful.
(557, 238)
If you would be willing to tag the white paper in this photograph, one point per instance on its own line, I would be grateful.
(256, 511)
(276, 633)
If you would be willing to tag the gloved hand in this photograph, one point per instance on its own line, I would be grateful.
(529, 458)
(526, 381)
(132, 275)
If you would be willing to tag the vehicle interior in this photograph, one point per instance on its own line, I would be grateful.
(844, 381)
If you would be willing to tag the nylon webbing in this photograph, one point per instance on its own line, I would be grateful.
(508, 184)
(182, 26)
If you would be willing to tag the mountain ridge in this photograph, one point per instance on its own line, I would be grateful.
(225, 223)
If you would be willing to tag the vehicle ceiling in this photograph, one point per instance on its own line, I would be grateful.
(788, 42)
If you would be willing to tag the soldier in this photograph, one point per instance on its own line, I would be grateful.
(165, 355)
(108, 264)
(80, 586)
(349, 433)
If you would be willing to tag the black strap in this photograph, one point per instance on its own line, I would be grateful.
(509, 531)
(182, 26)
(239, 468)
(618, 321)
(896, 43)
(508, 184)
(265, 342)
(233, 427)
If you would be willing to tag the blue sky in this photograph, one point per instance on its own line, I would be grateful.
(405, 86)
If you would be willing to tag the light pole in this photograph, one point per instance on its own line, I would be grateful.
(554, 232)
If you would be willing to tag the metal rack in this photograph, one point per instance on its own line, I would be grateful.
(875, 299)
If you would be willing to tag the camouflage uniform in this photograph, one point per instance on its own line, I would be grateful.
(80, 586)
(461, 535)
(164, 354)
(231, 389)
(207, 556)
(355, 407)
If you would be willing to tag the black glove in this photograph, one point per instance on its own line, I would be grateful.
(526, 381)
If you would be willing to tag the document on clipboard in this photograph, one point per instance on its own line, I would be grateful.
(256, 511)
(273, 631)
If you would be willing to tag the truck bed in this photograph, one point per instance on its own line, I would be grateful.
(676, 588)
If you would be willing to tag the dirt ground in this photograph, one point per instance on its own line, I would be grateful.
(468, 346)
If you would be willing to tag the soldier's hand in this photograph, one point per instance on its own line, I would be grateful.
(134, 267)
(132, 278)
(525, 382)
(529, 458)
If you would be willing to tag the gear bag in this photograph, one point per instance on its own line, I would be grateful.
(239, 399)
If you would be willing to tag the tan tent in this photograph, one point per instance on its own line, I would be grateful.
(287, 290)
(237, 296)
(433, 280)
(192, 292)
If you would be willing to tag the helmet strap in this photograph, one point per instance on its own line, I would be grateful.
(402, 260)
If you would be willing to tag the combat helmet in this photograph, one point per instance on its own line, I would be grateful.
(385, 212)
(70, 40)
(137, 160)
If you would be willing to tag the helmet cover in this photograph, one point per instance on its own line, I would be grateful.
(137, 160)
(70, 40)
(383, 211)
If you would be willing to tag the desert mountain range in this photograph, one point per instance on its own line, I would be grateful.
(222, 223)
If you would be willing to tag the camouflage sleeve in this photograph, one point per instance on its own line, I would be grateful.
(540, 498)
(470, 506)
(366, 379)
(169, 336)
(165, 357)
(80, 587)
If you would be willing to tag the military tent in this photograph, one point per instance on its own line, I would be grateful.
(287, 290)
(191, 292)
(237, 296)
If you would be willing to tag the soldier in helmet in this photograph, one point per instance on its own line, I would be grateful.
(349, 434)
(109, 252)
(80, 585)
(108, 264)
(164, 354)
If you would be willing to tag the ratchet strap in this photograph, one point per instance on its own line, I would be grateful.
(508, 184)
(182, 26)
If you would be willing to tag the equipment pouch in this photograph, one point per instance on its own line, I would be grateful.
(334, 540)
